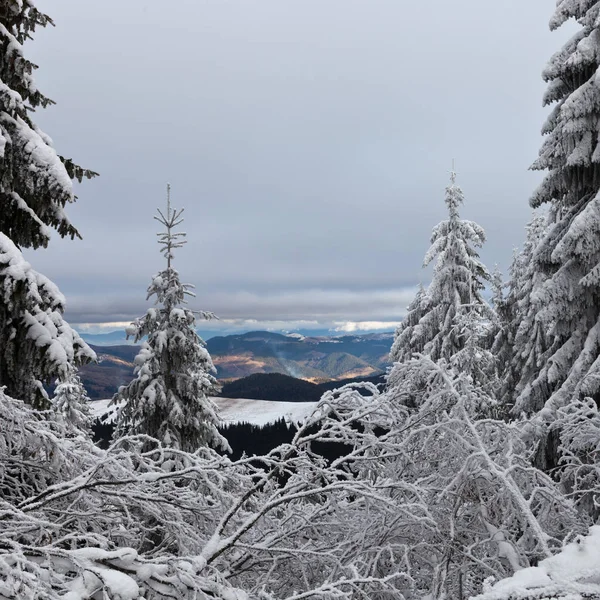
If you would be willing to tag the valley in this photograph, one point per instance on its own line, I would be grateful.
(316, 360)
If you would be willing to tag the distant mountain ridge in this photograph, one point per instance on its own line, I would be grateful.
(114, 368)
(112, 338)
(314, 359)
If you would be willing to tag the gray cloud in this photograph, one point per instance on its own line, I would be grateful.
(309, 140)
(321, 306)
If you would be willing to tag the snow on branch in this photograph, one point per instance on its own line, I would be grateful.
(38, 344)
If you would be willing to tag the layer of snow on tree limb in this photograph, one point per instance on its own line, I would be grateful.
(573, 574)
(239, 410)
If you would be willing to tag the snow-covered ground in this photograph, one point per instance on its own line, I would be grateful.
(101, 410)
(262, 412)
(241, 410)
(573, 574)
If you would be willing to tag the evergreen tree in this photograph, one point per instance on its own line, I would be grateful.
(70, 402)
(36, 345)
(475, 329)
(35, 182)
(527, 335)
(503, 331)
(169, 398)
(519, 341)
(452, 312)
(408, 339)
(566, 297)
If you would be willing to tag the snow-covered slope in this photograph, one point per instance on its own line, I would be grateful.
(240, 410)
(262, 412)
(573, 574)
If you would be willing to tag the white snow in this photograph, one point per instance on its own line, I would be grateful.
(262, 412)
(102, 410)
(100, 576)
(572, 574)
(296, 336)
(236, 410)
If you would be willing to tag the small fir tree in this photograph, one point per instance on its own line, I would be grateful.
(70, 403)
(170, 397)
(458, 278)
(451, 315)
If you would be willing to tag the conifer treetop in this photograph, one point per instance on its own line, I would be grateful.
(453, 246)
(434, 325)
(170, 240)
(454, 196)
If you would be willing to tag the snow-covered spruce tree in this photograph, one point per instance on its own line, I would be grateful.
(458, 278)
(70, 403)
(36, 344)
(35, 186)
(526, 331)
(169, 399)
(409, 337)
(568, 299)
(519, 341)
(35, 182)
(452, 313)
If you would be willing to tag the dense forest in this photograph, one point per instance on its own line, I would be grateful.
(278, 387)
(472, 472)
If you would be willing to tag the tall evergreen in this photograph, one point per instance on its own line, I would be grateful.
(566, 297)
(36, 345)
(170, 397)
(35, 182)
(444, 318)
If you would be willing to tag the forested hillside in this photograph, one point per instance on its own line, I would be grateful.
(316, 360)
(274, 386)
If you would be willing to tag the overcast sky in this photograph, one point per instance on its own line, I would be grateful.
(310, 142)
